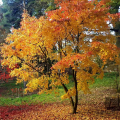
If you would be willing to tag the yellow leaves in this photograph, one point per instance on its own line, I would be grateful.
(106, 51)
(5, 62)
(8, 39)
(65, 78)
(101, 75)
(15, 72)
(83, 85)
(63, 97)
(15, 59)
(85, 78)
(71, 92)
(12, 61)
(19, 80)
(18, 46)
(32, 85)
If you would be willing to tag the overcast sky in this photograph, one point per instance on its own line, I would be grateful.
(1, 2)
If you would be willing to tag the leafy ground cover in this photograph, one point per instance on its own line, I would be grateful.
(49, 107)
(59, 111)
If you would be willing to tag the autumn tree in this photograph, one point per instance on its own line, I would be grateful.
(29, 50)
(80, 32)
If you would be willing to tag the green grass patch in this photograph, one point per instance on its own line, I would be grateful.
(32, 99)
(107, 81)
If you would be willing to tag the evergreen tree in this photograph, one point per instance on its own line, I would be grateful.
(114, 9)
(12, 11)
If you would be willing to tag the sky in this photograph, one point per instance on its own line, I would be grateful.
(1, 2)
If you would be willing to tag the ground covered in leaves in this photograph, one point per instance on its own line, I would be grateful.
(90, 107)
(58, 111)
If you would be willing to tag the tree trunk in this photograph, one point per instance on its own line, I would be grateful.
(76, 102)
(118, 45)
(74, 106)
(119, 75)
(73, 103)
(76, 96)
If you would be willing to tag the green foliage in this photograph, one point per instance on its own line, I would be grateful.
(12, 11)
(114, 9)
(114, 6)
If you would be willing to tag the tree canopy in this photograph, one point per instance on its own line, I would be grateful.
(80, 33)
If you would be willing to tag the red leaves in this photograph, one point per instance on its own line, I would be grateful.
(12, 90)
(4, 74)
(8, 112)
(90, 53)
(114, 17)
(69, 60)
(58, 111)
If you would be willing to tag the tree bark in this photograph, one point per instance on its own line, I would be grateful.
(71, 99)
(76, 96)
(118, 45)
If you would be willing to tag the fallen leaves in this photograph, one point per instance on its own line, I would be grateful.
(58, 111)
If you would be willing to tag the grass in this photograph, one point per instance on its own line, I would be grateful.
(31, 99)
(107, 81)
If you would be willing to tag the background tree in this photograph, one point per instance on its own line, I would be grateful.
(12, 11)
(113, 10)
(3, 33)
(30, 53)
(79, 31)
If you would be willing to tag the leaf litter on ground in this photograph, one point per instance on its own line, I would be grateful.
(90, 107)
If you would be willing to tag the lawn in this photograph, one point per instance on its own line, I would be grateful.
(50, 106)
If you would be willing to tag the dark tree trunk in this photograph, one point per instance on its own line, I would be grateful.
(118, 45)
(76, 96)
(73, 103)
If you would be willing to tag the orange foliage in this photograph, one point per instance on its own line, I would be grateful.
(79, 31)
